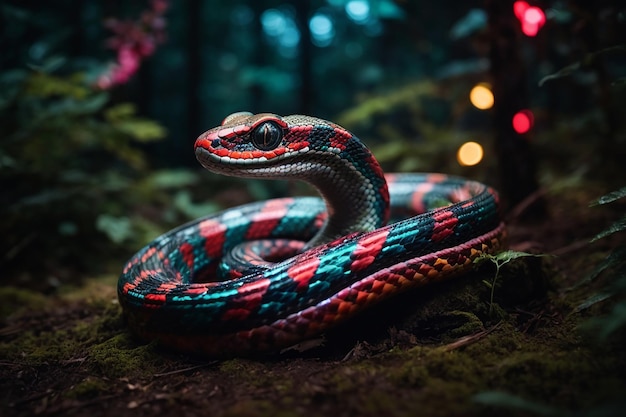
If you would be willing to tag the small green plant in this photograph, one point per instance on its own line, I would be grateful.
(499, 260)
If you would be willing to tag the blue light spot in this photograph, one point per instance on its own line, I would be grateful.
(358, 10)
(322, 29)
(290, 37)
(281, 30)
(274, 22)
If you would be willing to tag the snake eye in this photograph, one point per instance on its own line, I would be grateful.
(267, 136)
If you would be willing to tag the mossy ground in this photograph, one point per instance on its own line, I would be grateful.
(430, 352)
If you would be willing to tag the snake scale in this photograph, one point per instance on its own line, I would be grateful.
(267, 275)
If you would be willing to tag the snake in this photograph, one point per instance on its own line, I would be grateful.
(264, 276)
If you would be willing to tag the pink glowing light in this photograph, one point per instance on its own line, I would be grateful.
(523, 121)
(532, 18)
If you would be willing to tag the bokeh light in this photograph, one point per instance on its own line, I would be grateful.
(358, 10)
(523, 121)
(274, 22)
(481, 96)
(322, 29)
(532, 18)
(470, 153)
(280, 27)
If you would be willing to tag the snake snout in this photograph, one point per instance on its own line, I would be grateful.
(205, 157)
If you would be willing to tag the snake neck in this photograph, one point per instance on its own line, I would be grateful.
(354, 190)
(321, 153)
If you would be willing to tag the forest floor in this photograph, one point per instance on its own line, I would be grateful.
(441, 350)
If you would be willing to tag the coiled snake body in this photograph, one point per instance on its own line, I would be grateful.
(172, 290)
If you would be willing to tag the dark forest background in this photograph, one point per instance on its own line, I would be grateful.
(101, 103)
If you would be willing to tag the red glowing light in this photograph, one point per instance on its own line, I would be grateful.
(532, 18)
(519, 8)
(523, 120)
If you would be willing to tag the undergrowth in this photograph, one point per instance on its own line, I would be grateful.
(601, 328)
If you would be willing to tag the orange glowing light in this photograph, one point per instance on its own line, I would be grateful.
(470, 153)
(523, 121)
(481, 96)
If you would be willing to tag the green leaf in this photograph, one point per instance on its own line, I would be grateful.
(591, 301)
(604, 326)
(45, 85)
(42, 198)
(94, 103)
(119, 112)
(258, 190)
(390, 151)
(142, 130)
(112, 181)
(510, 401)
(506, 257)
(475, 20)
(509, 255)
(618, 226)
(170, 178)
(182, 201)
(52, 63)
(586, 62)
(610, 197)
(563, 72)
(68, 228)
(61, 110)
(118, 229)
(615, 258)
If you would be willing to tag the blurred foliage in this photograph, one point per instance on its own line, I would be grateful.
(73, 159)
(76, 186)
(69, 161)
(517, 404)
(417, 127)
(613, 270)
(588, 61)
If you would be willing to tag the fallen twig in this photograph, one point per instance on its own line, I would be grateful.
(467, 340)
(190, 368)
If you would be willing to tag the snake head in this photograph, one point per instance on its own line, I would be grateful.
(306, 148)
(246, 143)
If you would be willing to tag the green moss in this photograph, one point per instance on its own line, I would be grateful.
(444, 382)
(414, 373)
(242, 368)
(235, 367)
(63, 344)
(14, 301)
(88, 388)
(120, 356)
(36, 349)
(87, 334)
(462, 323)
